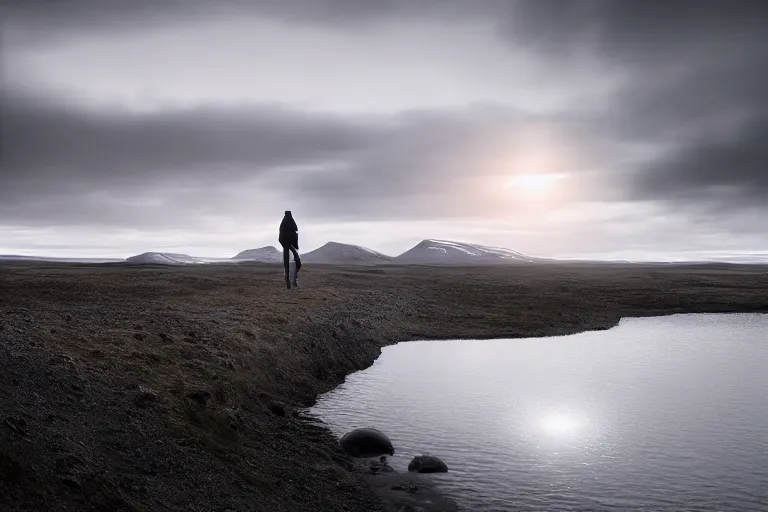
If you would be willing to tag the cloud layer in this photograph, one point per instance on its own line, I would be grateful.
(178, 116)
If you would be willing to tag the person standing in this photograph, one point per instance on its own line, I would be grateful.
(289, 239)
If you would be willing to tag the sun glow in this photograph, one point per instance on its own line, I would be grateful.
(533, 184)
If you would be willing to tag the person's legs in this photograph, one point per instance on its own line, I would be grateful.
(297, 262)
(286, 264)
(296, 258)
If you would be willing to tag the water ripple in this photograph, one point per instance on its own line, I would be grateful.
(657, 414)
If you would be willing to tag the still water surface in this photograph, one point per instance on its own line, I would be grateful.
(666, 413)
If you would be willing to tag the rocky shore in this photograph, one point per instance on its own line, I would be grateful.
(150, 388)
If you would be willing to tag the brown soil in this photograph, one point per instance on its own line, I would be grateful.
(143, 388)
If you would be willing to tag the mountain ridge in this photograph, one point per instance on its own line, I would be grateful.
(429, 251)
(164, 258)
(265, 254)
(446, 252)
(337, 253)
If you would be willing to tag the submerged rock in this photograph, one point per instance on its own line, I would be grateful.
(406, 486)
(380, 466)
(366, 442)
(427, 464)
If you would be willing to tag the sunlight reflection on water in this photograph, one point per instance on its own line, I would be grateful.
(658, 414)
(559, 424)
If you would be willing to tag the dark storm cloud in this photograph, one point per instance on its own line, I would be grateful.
(621, 28)
(650, 31)
(39, 135)
(727, 169)
(695, 80)
(41, 20)
(61, 162)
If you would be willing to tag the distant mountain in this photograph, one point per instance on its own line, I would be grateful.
(167, 258)
(443, 252)
(427, 252)
(334, 253)
(267, 254)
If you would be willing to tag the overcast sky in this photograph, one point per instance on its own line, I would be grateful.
(191, 125)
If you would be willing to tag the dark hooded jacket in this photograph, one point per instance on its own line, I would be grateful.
(289, 232)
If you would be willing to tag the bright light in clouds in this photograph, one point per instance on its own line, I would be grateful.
(533, 184)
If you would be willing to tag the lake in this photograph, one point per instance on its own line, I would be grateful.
(665, 413)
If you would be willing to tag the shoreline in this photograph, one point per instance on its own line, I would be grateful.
(185, 384)
(429, 497)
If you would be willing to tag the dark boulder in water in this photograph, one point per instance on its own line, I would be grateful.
(427, 464)
(366, 442)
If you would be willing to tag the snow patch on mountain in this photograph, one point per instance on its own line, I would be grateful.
(170, 258)
(445, 252)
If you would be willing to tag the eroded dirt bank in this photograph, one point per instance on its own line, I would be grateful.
(148, 388)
